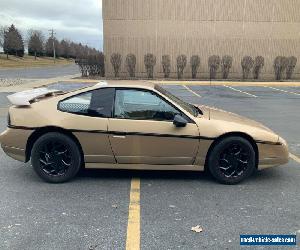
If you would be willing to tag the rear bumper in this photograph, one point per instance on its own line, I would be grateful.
(14, 141)
(15, 153)
(273, 155)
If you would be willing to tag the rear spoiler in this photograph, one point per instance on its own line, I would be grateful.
(25, 98)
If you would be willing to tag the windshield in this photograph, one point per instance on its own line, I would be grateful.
(186, 106)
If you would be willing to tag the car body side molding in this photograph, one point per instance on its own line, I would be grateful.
(141, 134)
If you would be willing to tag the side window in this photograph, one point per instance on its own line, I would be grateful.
(142, 105)
(94, 103)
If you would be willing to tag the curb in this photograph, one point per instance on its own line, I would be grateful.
(195, 83)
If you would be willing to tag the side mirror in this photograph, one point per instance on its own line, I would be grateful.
(179, 121)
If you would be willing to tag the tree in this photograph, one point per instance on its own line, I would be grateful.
(86, 51)
(226, 65)
(130, 64)
(101, 63)
(166, 65)
(2, 33)
(213, 65)
(280, 65)
(259, 63)
(65, 48)
(13, 43)
(73, 50)
(247, 64)
(35, 43)
(116, 61)
(149, 61)
(292, 61)
(195, 64)
(49, 47)
(181, 64)
(79, 51)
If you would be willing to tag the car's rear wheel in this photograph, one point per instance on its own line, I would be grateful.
(232, 160)
(55, 157)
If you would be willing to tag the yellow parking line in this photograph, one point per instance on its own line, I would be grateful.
(133, 226)
(193, 92)
(295, 158)
(282, 90)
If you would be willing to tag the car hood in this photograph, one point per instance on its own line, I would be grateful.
(213, 113)
(214, 122)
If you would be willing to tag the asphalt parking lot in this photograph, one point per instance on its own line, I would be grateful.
(92, 211)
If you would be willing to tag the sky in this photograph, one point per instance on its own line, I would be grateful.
(79, 21)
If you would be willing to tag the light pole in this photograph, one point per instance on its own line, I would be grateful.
(53, 44)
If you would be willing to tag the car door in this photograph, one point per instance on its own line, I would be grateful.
(142, 130)
(86, 116)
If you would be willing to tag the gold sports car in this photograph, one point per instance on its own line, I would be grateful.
(134, 126)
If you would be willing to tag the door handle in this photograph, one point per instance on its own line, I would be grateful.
(119, 136)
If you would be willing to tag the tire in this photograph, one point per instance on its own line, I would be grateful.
(232, 160)
(55, 157)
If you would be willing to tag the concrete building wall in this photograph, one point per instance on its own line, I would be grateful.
(203, 27)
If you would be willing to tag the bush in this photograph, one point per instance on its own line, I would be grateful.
(149, 61)
(226, 65)
(116, 61)
(181, 64)
(259, 63)
(83, 66)
(247, 64)
(101, 63)
(130, 64)
(166, 65)
(280, 65)
(213, 65)
(96, 65)
(93, 65)
(292, 61)
(195, 64)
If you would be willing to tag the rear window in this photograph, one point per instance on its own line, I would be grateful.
(96, 103)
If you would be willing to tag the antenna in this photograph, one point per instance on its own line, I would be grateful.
(210, 91)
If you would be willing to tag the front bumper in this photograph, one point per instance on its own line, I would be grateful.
(14, 141)
(272, 155)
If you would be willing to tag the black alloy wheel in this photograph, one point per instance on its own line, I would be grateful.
(55, 157)
(232, 160)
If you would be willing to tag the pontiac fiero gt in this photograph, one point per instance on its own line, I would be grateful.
(134, 126)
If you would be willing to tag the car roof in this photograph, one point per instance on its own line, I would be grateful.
(126, 83)
(113, 84)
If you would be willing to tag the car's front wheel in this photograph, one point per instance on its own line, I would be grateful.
(55, 157)
(232, 160)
